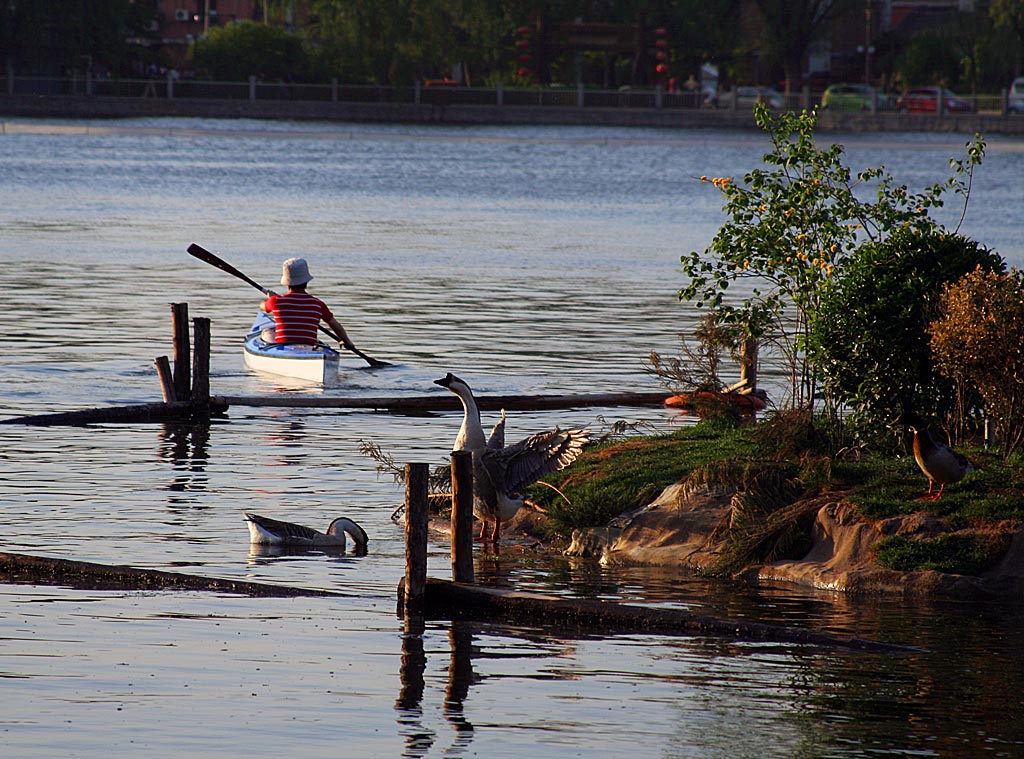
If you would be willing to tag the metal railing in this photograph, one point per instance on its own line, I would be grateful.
(172, 86)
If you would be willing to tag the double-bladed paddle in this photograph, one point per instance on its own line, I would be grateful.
(203, 254)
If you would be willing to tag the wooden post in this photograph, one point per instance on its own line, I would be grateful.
(201, 366)
(163, 370)
(462, 516)
(182, 352)
(416, 477)
(748, 363)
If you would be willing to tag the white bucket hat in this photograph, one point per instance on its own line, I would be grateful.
(295, 272)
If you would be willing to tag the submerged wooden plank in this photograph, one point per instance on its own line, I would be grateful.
(449, 402)
(459, 599)
(143, 412)
(22, 569)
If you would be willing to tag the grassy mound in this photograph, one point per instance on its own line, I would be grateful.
(773, 469)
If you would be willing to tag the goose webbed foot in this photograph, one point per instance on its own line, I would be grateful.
(930, 496)
(489, 536)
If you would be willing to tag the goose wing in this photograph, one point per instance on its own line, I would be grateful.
(520, 465)
(285, 532)
(497, 438)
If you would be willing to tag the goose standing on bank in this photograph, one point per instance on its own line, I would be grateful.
(500, 472)
(938, 461)
(266, 531)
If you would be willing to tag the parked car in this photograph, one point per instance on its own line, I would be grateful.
(1015, 99)
(746, 97)
(848, 97)
(925, 100)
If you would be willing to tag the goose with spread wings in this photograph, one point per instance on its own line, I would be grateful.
(501, 472)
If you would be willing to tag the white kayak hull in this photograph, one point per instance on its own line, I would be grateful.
(313, 363)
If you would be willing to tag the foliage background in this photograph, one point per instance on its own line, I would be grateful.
(764, 42)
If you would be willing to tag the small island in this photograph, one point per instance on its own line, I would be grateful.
(880, 314)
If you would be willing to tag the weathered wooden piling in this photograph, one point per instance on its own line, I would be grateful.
(163, 370)
(201, 366)
(462, 516)
(182, 352)
(416, 491)
(182, 401)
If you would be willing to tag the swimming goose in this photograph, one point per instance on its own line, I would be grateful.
(499, 471)
(265, 531)
(938, 461)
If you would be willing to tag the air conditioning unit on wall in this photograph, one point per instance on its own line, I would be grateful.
(183, 14)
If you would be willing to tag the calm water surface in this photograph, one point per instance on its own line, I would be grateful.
(528, 260)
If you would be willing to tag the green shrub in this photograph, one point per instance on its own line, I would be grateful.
(869, 335)
(234, 52)
(792, 225)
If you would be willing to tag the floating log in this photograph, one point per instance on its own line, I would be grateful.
(17, 568)
(178, 411)
(448, 402)
(182, 410)
(444, 598)
(741, 401)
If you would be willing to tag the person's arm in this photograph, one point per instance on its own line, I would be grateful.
(339, 331)
(266, 306)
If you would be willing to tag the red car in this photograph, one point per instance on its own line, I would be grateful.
(925, 99)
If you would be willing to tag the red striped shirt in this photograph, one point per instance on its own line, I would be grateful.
(297, 315)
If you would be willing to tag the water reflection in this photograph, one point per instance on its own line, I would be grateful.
(286, 442)
(419, 739)
(263, 553)
(460, 677)
(186, 447)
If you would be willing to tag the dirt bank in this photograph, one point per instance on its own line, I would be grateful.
(683, 528)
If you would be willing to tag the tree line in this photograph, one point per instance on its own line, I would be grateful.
(518, 42)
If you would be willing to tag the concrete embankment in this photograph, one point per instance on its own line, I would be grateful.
(86, 107)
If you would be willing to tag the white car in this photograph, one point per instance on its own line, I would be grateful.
(1015, 99)
(746, 97)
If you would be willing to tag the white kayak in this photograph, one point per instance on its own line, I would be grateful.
(313, 363)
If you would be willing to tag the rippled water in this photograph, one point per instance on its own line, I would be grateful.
(528, 260)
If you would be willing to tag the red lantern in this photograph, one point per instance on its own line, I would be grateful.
(661, 51)
(524, 51)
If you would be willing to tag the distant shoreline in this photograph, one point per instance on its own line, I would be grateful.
(93, 107)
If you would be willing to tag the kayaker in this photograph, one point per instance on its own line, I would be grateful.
(298, 313)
